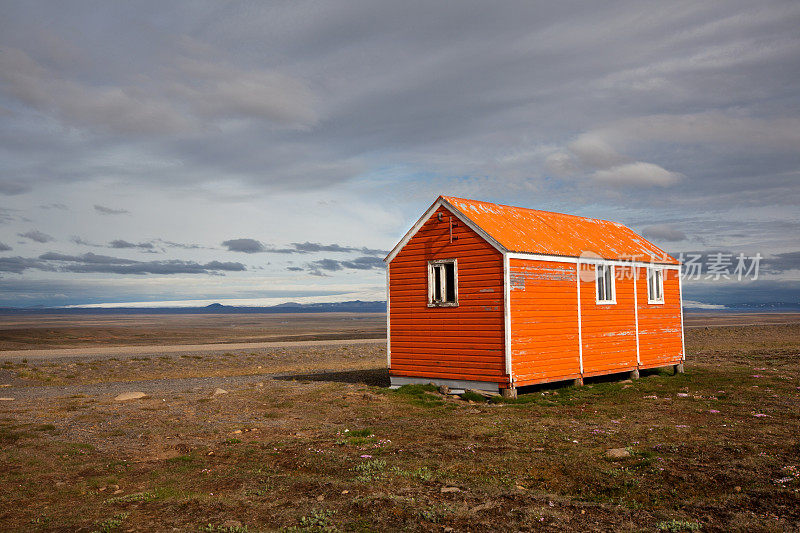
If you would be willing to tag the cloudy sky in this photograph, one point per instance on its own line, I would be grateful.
(253, 152)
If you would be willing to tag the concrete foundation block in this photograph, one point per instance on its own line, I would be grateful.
(510, 393)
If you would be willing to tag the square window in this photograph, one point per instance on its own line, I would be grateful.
(604, 277)
(443, 283)
(655, 285)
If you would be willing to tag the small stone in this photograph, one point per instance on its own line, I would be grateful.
(218, 392)
(617, 453)
(448, 529)
(125, 396)
(444, 389)
(236, 432)
(230, 525)
(345, 492)
(737, 488)
(445, 490)
(320, 498)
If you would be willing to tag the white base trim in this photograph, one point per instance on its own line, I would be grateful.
(454, 384)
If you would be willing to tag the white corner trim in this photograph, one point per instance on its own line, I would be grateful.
(507, 315)
(680, 303)
(388, 322)
(580, 335)
(636, 312)
(427, 215)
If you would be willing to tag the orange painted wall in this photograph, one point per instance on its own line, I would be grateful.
(660, 339)
(544, 321)
(465, 342)
(608, 330)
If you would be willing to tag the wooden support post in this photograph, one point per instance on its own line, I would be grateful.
(578, 382)
(634, 373)
(678, 368)
(510, 392)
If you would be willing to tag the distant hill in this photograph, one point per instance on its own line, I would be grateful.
(355, 306)
(786, 307)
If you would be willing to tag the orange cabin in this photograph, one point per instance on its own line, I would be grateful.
(495, 297)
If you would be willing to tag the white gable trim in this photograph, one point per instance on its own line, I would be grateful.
(441, 202)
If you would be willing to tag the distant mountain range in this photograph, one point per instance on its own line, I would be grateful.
(355, 306)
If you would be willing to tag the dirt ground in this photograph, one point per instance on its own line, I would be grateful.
(307, 438)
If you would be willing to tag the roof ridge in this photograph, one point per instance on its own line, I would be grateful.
(448, 198)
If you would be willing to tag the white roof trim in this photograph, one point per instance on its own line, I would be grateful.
(590, 260)
(441, 202)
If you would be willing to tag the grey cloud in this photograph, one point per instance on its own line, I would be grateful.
(364, 263)
(81, 241)
(663, 232)
(11, 188)
(248, 246)
(252, 246)
(103, 210)
(119, 243)
(317, 247)
(94, 263)
(19, 264)
(86, 258)
(184, 94)
(4, 247)
(294, 269)
(313, 247)
(782, 262)
(58, 206)
(183, 246)
(36, 236)
(334, 265)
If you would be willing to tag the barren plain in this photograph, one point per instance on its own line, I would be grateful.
(295, 430)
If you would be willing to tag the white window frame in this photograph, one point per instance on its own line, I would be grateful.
(651, 276)
(440, 302)
(602, 267)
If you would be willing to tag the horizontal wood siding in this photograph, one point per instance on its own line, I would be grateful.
(464, 342)
(660, 324)
(544, 321)
(608, 330)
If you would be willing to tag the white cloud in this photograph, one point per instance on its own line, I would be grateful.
(638, 174)
(593, 151)
(692, 304)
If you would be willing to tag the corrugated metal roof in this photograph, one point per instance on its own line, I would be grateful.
(519, 229)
